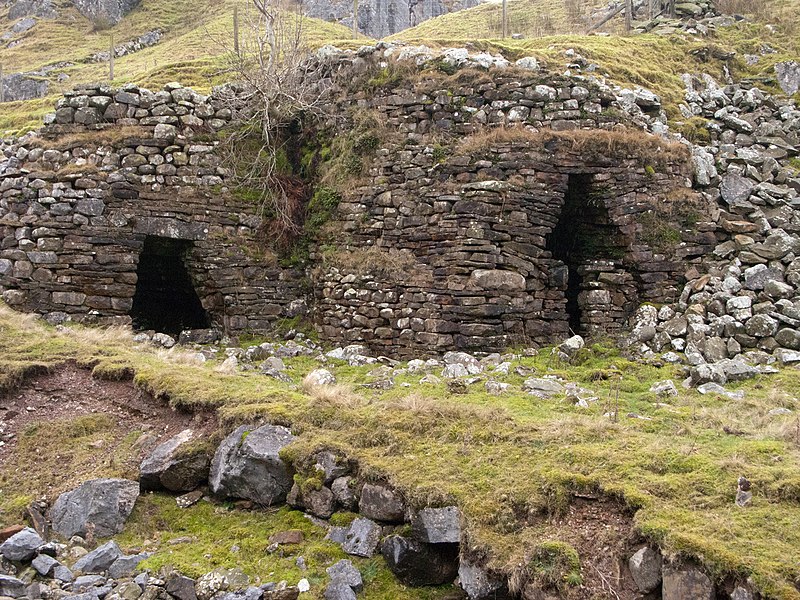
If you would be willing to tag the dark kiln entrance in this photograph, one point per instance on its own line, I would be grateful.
(584, 234)
(165, 298)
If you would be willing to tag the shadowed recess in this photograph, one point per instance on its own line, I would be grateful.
(165, 298)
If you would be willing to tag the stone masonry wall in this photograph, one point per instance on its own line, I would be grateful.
(476, 223)
(115, 166)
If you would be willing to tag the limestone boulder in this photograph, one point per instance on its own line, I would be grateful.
(174, 465)
(22, 546)
(645, 566)
(437, 525)
(681, 583)
(382, 503)
(99, 506)
(100, 559)
(248, 465)
(11, 587)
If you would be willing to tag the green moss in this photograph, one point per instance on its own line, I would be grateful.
(678, 469)
(555, 564)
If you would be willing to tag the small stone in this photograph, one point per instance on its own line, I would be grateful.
(22, 546)
(664, 388)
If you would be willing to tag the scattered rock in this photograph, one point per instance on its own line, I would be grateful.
(362, 538)
(437, 525)
(174, 465)
(382, 503)
(100, 559)
(22, 546)
(645, 566)
(100, 506)
(247, 465)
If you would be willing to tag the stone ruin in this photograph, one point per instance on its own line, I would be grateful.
(568, 219)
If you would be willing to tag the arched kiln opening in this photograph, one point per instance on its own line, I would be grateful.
(165, 298)
(584, 237)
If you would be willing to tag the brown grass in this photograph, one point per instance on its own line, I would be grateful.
(109, 136)
(389, 262)
(622, 143)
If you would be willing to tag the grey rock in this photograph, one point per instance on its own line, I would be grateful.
(346, 572)
(417, 564)
(220, 580)
(684, 583)
(788, 338)
(761, 326)
(645, 566)
(382, 503)
(343, 490)
(331, 465)
(318, 502)
(247, 465)
(319, 377)
(437, 525)
(715, 388)
(787, 357)
(180, 587)
(22, 546)
(11, 587)
(338, 590)
(362, 538)
(478, 583)
(788, 75)
(542, 388)
(44, 564)
(126, 565)
(101, 506)
(736, 369)
(494, 279)
(742, 593)
(173, 466)
(99, 560)
(35, 8)
(777, 290)
(23, 86)
(87, 582)
(105, 12)
(736, 189)
(664, 388)
(469, 362)
(63, 574)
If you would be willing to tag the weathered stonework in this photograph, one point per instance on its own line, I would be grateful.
(74, 219)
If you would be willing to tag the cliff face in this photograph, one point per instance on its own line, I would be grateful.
(106, 12)
(380, 18)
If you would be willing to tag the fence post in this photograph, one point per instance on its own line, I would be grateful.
(505, 19)
(236, 29)
(111, 58)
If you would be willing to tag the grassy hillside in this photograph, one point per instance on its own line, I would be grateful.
(198, 35)
(512, 462)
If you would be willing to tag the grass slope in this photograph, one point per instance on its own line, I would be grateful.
(198, 36)
(511, 462)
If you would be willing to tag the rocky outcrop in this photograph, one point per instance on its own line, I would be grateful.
(105, 12)
(23, 86)
(380, 18)
(31, 8)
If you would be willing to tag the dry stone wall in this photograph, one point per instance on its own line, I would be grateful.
(477, 227)
(112, 169)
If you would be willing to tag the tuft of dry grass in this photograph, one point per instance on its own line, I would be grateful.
(108, 136)
(337, 395)
(624, 143)
(392, 263)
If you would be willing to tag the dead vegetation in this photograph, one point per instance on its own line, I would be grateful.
(91, 140)
(647, 149)
(391, 263)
